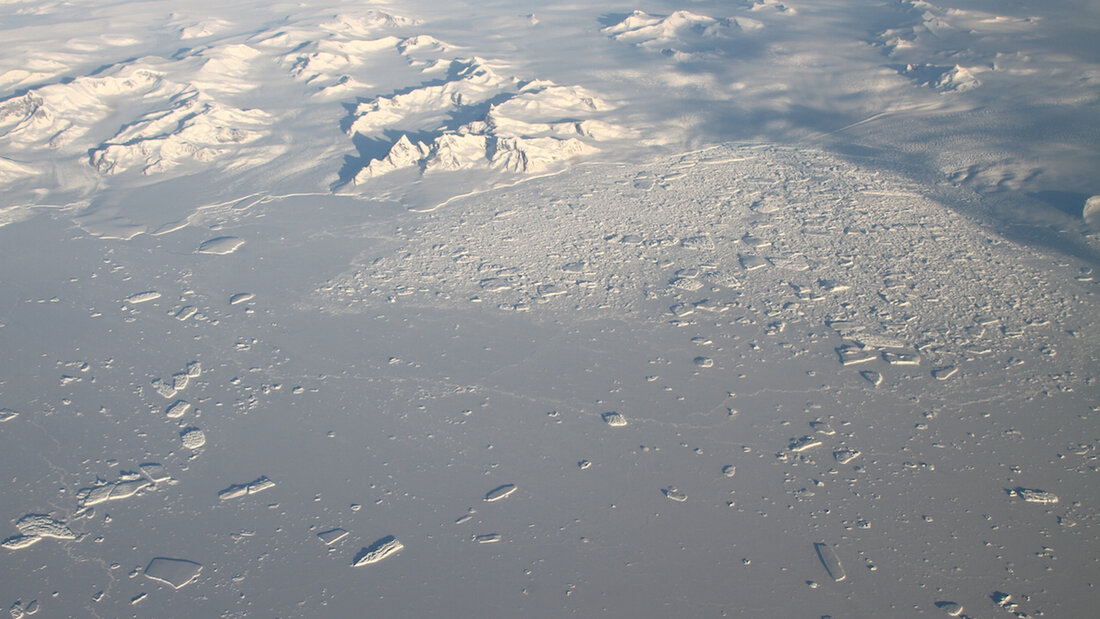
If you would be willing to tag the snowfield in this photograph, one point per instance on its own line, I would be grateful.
(697, 309)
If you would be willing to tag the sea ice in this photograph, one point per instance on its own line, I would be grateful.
(844, 456)
(192, 438)
(41, 525)
(1034, 495)
(253, 487)
(142, 297)
(500, 492)
(175, 572)
(674, 494)
(953, 609)
(221, 245)
(177, 409)
(804, 443)
(827, 555)
(154, 471)
(17, 542)
(385, 547)
(613, 419)
(332, 536)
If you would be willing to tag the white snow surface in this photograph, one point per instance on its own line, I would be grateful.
(753, 308)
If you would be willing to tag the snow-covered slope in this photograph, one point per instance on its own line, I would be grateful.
(477, 118)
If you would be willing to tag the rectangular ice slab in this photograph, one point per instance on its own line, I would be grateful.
(175, 572)
(332, 536)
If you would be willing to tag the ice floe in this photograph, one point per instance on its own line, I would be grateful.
(830, 561)
(192, 438)
(614, 419)
(253, 487)
(500, 492)
(379, 550)
(175, 572)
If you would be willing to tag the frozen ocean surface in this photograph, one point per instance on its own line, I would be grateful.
(757, 309)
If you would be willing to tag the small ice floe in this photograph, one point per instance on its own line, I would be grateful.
(221, 245)
(332, 536)
(945, 372)
(142, 297)
(1034, 495)
(500, 492)
(175, 572)
(804, 443)
(128, 484)
(827, 555)
(381, 549)
(953, 609)
(686, 284)
(851, 354)
(674, 494)
(872, 377)
(41, 525)
(192, 438)
(177, 409)
(844, 456)
(253, 487)
(154, 471)
(901, 358)
(613, 419)
(185, 312)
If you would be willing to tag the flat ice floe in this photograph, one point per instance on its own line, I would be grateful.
(829, 560)
(239, 490)
(175, 572)
(155, 472)
(500, 492)
(331, 536)
(143, 297)
(221, 245)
